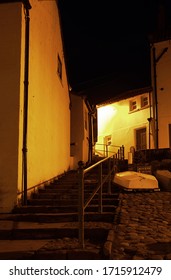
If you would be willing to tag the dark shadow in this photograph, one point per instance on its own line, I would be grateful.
(160, 247)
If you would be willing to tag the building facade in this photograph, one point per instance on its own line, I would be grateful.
(83, 130)
(79, 131)
(34, 98)
(161, 77)
(126, 121)
(140, 119)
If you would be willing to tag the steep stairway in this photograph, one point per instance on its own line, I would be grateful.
(52, 212)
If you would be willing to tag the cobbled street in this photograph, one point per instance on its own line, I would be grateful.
(143, 229)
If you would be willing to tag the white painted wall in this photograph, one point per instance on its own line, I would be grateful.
(79, 133)
(48, 115)
(10, 48)
(163, 69)
(116, 121)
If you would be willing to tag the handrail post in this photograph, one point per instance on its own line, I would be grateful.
(109, 173)
(119, 153)
(81, 203)
(100, 184)
(114, 164)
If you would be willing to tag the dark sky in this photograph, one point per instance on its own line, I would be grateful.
(109, 39)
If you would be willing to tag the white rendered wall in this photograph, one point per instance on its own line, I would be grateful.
(115, 120)
(79, 131)
(163, 69)
(10, 48)
(49, 114)
(48, 140)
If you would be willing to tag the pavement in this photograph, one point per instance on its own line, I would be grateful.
(20, 244)
(141, 231)
(48, 249)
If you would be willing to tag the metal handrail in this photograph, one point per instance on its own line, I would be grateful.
(116, 146)
(106, 151)
(101, 181)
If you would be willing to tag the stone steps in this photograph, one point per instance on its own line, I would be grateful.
(60, 209)
(57, 217)
(72, 195)
(29, 230)
(68, 203)
(52, 213)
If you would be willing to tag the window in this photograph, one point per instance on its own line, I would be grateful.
(144, 101)
(109, 140)
(133, 105)
(59, 68)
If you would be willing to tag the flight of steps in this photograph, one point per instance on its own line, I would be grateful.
(52, 212)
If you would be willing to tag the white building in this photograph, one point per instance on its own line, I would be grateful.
(34, 99)
(161, 82)
(82, 130)
(140, 119)
(126, 120)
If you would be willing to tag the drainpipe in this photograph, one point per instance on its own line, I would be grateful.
(149, 121)
(25, 110)
(155, 98)
(90, 137)
(155, 61)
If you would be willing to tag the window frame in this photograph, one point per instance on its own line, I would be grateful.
(131, 105)
(143, 97)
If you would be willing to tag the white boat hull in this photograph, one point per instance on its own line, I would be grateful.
(131, 180)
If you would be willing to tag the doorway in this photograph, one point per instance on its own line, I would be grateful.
(141, 139)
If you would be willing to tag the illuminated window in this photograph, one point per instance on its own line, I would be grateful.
(59, 68)
(144, 101)
(108, 140)
(133, 105)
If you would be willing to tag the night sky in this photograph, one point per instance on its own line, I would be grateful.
(109, 40)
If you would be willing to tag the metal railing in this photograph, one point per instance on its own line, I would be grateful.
(107, 150)
(102, 178)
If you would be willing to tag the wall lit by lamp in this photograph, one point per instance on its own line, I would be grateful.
(106, 113)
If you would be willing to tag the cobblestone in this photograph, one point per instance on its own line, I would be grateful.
(143, 230)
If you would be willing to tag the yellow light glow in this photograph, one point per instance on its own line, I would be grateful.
(107, 112)
(106, 115)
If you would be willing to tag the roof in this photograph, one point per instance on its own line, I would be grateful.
(111, 86)
(156, 38)
(125, 95)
